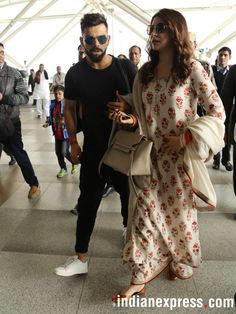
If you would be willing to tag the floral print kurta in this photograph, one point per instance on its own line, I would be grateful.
(164, 223)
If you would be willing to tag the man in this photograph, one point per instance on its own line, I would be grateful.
(58, 78)
(135, 56)
(220, 72)
(41, 92)
(31, 85)
(81, 52)
(108, 189)
(93, 82)
(228, 96)
(13, 93)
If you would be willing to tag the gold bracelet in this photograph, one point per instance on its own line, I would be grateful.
(134, 120)
(181, 141)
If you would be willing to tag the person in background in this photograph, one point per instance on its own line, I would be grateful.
(228, 96)
(14, 93)
(121, 56)
(206, 65)
(31, 85)
(93, 82)
(41, 92)
(135, 56)
(58, 78)
(81, 53)
(163, 226)
(221, 70)
(56, 120)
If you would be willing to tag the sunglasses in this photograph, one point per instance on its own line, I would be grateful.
(90, 40)
(158, 28)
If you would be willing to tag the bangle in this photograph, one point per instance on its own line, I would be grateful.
(181, 140)
(134, 120)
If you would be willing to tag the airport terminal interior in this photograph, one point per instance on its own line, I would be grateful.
(38, 235)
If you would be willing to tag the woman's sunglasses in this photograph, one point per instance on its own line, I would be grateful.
(158, 28)
(90, 40)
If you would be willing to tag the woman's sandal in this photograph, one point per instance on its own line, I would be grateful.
(126, 296)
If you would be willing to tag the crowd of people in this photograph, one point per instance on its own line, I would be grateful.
(160, 99)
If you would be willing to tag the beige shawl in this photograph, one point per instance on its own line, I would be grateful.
(208, 133)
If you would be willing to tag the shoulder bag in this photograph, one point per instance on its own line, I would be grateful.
(129, 153)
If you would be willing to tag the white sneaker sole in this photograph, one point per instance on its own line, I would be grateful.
(62, 273)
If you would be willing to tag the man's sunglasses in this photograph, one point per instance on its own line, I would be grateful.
(158, 28)
(90, 40)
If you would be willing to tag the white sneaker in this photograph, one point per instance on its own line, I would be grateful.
(73, 266)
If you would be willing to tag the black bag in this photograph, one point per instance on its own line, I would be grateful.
(6, 124)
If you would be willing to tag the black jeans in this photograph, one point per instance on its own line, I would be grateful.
(6, 150)
(234, 168)
(225, 155)
(15, 145)
(91, 190)
(62, 151)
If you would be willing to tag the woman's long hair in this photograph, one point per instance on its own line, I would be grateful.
(183, 51)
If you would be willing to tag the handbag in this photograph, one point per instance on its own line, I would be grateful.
(129, 153)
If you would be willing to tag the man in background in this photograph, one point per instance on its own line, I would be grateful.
(221, 70)
(58, 78)
(81, 53)
(228, 96)
(14, 93)
(135, 56)
(41, 92)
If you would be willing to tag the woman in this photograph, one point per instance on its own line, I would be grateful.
(163, 224)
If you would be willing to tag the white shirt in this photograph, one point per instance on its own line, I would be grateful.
(41, 90)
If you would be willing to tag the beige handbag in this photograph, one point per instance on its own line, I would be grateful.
(129, 153)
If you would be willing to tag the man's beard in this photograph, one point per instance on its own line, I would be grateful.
(95, 58)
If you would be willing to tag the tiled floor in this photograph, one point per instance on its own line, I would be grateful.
(36, 236)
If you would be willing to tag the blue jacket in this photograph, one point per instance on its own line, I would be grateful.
(50, 120)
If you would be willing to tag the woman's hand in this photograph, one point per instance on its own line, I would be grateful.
(121, 117)
(172, 143)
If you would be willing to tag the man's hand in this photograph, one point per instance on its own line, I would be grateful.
(45, 125)
(75, 152)
(1, 96)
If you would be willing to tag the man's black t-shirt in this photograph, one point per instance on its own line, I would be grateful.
(93, 89)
